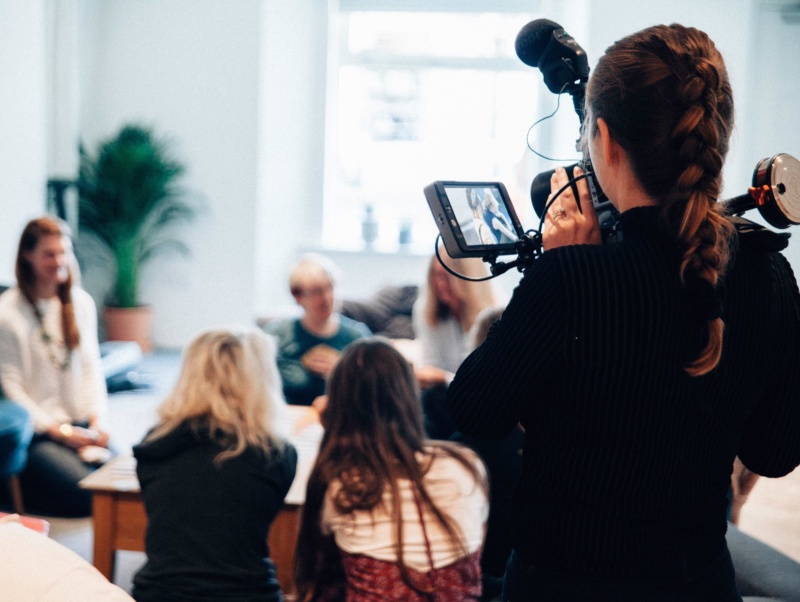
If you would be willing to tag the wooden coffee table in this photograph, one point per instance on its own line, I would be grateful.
(120, 521)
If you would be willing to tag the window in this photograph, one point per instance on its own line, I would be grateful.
(416, 97)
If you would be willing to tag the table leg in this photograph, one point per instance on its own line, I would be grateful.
(104, 529)
(282, 543)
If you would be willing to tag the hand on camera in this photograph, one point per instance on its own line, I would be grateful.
(565, 222)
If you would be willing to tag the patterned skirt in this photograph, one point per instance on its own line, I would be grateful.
(371, 580)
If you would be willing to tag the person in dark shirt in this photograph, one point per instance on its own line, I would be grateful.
(640, 368)
(310, 345)
(214, 473)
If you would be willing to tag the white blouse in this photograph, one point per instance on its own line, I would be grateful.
(33, 371)
(372, 533)
(444, 345)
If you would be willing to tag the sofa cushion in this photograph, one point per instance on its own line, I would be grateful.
(387, 312)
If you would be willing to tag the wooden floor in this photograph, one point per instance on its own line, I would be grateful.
(772, 513)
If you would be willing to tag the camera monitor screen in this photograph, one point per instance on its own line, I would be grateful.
(474, 218)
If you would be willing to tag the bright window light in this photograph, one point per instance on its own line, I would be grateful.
(416, 97)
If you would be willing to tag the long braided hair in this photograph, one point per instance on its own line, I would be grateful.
(665, 95)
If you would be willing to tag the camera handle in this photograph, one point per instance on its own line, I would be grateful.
(529, 249)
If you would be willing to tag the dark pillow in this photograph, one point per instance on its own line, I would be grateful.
(387, 313)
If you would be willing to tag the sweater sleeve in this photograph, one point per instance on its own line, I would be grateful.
(506, 378)
(299, 385)
(288, 467)
(13, 382)
(14, 364)
(770, 444)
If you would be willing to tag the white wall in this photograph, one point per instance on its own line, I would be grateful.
(596, 24)
(22, 123)
(291, 142)
(771, 124)
(190, 69)
(760, 51)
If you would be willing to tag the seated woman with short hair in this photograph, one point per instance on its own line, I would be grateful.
(310, 345)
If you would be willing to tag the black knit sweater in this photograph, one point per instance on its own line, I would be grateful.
(627, 459)
(208, 522)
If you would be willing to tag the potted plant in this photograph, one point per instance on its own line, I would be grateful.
(128, 203)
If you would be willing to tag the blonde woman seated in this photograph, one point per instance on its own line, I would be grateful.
(443, 316)
(214, 473)
(389, 515)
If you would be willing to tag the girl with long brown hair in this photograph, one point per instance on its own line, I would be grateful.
(50, 365)
(389, 514)
(641, 367)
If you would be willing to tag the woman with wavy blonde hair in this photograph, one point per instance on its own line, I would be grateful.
(214, 473)
(640, 368)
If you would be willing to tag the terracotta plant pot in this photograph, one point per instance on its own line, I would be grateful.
(129, 324)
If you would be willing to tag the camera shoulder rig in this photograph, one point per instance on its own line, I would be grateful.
(757, 238)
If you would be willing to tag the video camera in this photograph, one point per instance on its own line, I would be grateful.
(477, 219)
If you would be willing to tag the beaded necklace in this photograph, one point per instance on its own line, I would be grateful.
(52, 344)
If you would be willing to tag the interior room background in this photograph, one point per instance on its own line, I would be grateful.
(248, 92)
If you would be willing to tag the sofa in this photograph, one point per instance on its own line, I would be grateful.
(762, 572)
(387, 313)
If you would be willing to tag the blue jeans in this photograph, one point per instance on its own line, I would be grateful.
(16, 430)
(712, 579)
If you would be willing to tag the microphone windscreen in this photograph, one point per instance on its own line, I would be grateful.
(532, 40)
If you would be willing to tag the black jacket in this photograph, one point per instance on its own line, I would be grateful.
(208, 523)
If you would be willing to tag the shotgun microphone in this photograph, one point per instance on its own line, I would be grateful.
(546, 45)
